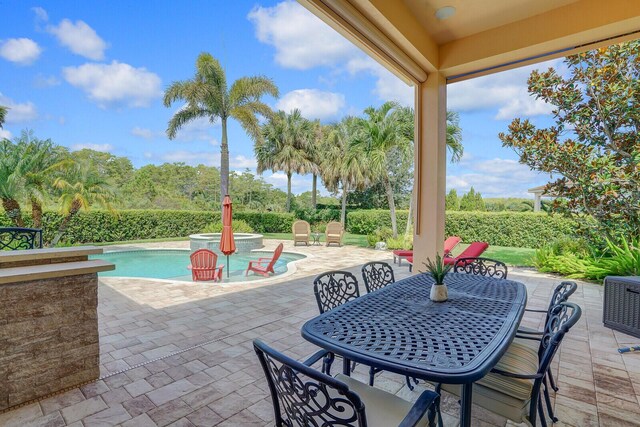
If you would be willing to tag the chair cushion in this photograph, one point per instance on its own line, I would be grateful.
(383, 409)
(503, 395)
(337, 236)
(302, 235)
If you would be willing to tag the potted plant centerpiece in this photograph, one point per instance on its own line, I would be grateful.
(438, 270)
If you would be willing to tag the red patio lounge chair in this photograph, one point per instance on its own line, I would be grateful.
(474, 250)
(449, 244)
(264, 266)
(204, 266)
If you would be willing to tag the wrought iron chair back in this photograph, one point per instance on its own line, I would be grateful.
(334, 288)
(302, 396)
(377, 275)
(481, 267)
(562, 317)
(18, 238)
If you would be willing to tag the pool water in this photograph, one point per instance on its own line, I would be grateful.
(172, 264)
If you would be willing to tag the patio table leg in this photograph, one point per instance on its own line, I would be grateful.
(465, 405)
(346, 366)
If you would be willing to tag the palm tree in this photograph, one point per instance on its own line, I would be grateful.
(207, 95)
(339, 168)
(80, 188)
(3, 115)
(454, 145)
(316, 154)
(43, 160)
(382, 136)
(454, 136)
(286, 146)
(12, 164)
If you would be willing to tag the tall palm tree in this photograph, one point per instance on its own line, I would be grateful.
(454, 145)
(382, 136)
(44, 159)
(454, 136)
(3, 115)
(286, 146)
(207, 95)
(315, 152)
(12, 165)
(340, 170)
(81, 187)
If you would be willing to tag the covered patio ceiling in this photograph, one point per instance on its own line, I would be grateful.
(414, 41)
(481, 36)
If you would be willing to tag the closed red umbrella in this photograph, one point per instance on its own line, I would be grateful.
(227, 244)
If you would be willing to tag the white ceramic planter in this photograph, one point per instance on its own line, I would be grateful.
(439, 293)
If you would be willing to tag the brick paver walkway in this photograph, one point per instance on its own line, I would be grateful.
(181, 355)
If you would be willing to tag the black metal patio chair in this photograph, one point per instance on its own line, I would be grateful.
(514, 389)
(377, 275)
(20, 238)
(303, 397)
(561, 293)
(481, 267)
(332, 289)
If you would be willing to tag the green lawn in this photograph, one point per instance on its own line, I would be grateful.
(521, 257)
(512, 256)
(348, 239)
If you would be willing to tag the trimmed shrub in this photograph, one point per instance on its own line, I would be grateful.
(239, 226)
(517, 229)
(368, 221)
(267, 222)
(102, 226)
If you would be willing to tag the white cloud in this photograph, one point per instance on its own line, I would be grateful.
(5, 134)
(506, 91)
(42, 81)
(200, 129)
(497, 178)
(194, 158)
(19, 112)
(79, 37)
(115, 83)
(301, 39)
(106, 148)
(41, 14)
(299, 183)
(313, 103)
(22, 51)
(143, 132)
(242, 162)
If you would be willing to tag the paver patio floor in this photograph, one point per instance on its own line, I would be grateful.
(181, 354)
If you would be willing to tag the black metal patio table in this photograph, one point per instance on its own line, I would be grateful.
(399, 329)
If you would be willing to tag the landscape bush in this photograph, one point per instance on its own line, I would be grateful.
(516, 229)
(239, 226)
(98, 226)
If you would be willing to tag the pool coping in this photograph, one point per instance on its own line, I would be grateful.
(291, 269)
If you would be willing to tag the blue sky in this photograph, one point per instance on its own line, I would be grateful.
(92, 74)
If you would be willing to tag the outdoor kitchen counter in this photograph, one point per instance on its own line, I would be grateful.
(48, 321)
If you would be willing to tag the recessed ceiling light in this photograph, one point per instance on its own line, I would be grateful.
(445, 12)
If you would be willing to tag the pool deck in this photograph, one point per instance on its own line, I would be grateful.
(180, 354)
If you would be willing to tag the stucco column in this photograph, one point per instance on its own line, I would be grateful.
(537, 202)
(430, 168)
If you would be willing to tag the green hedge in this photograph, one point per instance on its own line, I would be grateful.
(517, 229)
(101, 226)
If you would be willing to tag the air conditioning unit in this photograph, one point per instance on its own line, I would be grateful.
(621, 309)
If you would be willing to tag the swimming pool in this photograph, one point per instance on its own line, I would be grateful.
(171, 264)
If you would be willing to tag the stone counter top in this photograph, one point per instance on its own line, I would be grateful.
(48, 271)
(47, 254)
